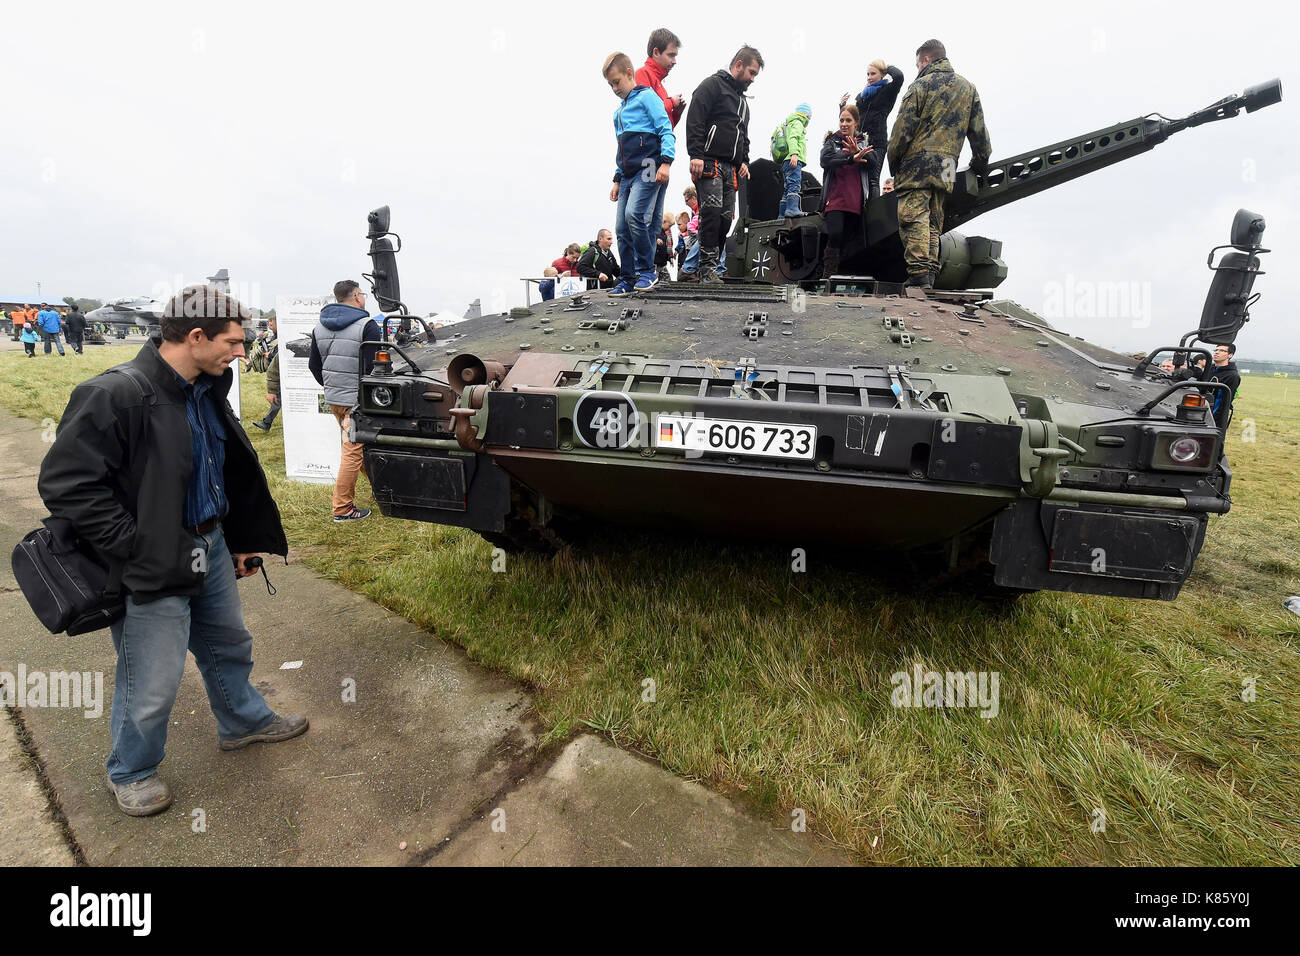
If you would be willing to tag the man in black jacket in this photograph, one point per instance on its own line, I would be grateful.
(717, 138)
(598, 262)
(171, 490)
(1225, 371)
(74, 326)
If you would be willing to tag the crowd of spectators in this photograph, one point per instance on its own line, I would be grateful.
(676, 253)
(655, 245)
(48, 325)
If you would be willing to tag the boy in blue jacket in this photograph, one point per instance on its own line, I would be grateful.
(646, 147)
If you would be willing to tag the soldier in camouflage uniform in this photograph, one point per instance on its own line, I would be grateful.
(938, 111)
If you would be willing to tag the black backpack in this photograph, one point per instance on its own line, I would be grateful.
(70, 587)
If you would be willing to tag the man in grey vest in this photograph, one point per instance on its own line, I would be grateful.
(335, 360)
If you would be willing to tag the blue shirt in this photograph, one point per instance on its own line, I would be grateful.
(206, 496)
(49, 320)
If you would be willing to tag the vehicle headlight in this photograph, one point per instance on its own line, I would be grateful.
(1185, 450)
(1176, 450)
(381, 396)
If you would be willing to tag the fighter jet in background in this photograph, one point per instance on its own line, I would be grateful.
(142, 314)
(128, 315)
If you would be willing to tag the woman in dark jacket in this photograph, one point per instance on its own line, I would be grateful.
(875, 103)
(845, 186)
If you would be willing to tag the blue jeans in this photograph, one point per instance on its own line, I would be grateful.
(658, 217)
(51, 337)
(635, 227)
(793, 185)
(547, 289)
(151, 642)
(693, 260)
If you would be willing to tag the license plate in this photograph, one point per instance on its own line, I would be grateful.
(730, 437)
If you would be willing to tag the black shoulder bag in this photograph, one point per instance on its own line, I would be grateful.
(70, 587)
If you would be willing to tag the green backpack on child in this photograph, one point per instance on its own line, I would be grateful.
(790, 138)
(780, 146)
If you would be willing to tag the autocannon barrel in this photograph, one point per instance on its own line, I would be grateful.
(1016, 177)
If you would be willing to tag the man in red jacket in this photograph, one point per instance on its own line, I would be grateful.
(661, 57)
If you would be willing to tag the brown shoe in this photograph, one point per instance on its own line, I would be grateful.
(142, 798)
(281, 728)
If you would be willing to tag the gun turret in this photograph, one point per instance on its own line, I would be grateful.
(974, 262)
(1008, 180)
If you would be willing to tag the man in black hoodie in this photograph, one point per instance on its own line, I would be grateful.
(717, 139)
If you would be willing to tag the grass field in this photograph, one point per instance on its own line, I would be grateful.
(776, 686)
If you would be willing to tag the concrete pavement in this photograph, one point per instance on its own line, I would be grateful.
(431, 750)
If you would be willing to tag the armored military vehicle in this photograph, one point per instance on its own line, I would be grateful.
(848, 409)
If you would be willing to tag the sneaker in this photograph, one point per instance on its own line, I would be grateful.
(262, 425)
(621, 289)
(142, 798)
(646, 283)
(356, 514)
(687, 277)
(281, 728)
(711, 279)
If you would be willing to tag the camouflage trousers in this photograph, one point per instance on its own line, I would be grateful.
(920, 222)
(717, 195)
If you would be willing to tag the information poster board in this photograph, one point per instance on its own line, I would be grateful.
(312, 441)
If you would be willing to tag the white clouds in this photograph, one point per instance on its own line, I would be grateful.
(182, 138)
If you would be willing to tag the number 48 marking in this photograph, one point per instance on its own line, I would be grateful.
(608, 420)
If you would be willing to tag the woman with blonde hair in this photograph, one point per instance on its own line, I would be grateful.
(875, 103)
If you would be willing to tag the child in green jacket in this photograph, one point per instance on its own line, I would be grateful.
(790, 151)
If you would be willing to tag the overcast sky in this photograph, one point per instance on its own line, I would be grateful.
(151, 143)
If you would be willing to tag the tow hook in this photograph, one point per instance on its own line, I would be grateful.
(466, 429)
(1043, 443)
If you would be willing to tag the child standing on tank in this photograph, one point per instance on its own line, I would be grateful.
(646, 147)
(790, 152)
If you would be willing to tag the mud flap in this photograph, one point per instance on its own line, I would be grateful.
(1095, 549)
(454, 488)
